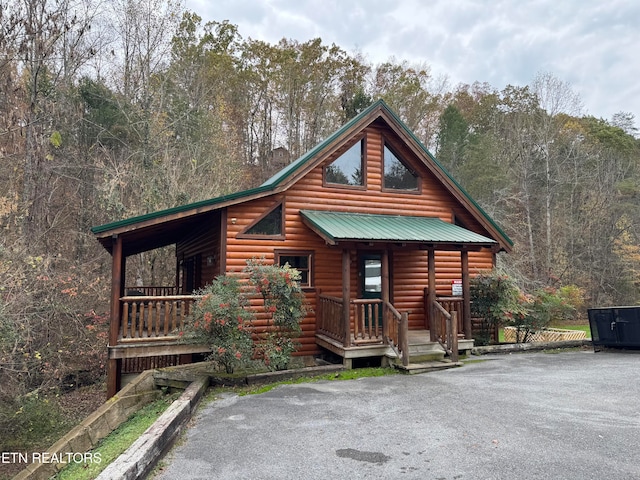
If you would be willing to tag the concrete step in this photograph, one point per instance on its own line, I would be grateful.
(429, 347)
(423, 367)
(425, 352)
(424, 347)
(434, 356)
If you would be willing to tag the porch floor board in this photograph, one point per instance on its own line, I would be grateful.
(149, 349)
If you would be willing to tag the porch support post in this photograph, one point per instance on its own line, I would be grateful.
(385, 293)
(177, 276)
(431, 296)
(346, 295)
(117, 289)
(466, 295)
(386, 288)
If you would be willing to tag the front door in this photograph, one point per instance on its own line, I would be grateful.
(371, 281)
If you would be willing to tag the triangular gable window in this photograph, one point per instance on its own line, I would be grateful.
(347, 169)
(270, 225)
(397, 176)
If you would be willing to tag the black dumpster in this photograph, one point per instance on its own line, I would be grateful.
(615, 327)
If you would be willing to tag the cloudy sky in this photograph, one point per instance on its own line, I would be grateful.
(592, 45)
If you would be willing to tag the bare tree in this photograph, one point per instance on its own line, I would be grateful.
(45, 43)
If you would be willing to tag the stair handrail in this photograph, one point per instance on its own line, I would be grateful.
(401, 349)
(450, 342)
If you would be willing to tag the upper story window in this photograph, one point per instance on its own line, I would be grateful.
(397, 176)
(269, 225)
(348, 168)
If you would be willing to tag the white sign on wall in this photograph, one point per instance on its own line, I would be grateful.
(456, 288)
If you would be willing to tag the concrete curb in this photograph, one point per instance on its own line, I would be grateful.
(533, 346)
(142, 456)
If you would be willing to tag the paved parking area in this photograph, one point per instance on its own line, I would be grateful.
(570, 415)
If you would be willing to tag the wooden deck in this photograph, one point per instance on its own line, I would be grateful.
(420, 348)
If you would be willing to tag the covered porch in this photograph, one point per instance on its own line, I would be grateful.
(145, 320)
(442, 323)
(348, 333)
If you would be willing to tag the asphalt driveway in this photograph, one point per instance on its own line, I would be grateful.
(571, 415)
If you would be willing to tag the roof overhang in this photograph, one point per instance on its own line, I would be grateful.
(344, 227)
(137, 238)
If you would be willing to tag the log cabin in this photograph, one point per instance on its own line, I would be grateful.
(385, 239)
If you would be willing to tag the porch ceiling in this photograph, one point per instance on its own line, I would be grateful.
(152, 235)
(336, 227)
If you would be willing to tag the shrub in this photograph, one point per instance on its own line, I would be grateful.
(30, 420)
(279, 287)
(221, 319)
(53, 328)
(495, 300)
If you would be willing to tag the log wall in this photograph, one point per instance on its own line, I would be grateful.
(203, 245)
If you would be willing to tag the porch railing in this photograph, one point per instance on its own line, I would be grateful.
(450, 304)
(397, 336)
(148, 318)
(152, 291)
(367, 324)
(375, 322)
(329, 317)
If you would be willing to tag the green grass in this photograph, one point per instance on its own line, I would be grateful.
(342, 375)
(501, 335)
(31, 423)
(352, 374)
(117, 442)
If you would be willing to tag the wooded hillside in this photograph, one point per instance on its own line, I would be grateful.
(120, 108)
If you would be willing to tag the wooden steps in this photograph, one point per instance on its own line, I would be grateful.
(429, 366)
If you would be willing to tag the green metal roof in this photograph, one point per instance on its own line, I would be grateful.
(340, 226)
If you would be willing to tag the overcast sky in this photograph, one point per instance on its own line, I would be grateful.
(593, 45)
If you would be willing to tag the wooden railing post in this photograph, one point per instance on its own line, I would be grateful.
(386, 321)
(403, 335)
(466, 296)
(118, 266)
(319, 309)
(453, 335)
(385, 292)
